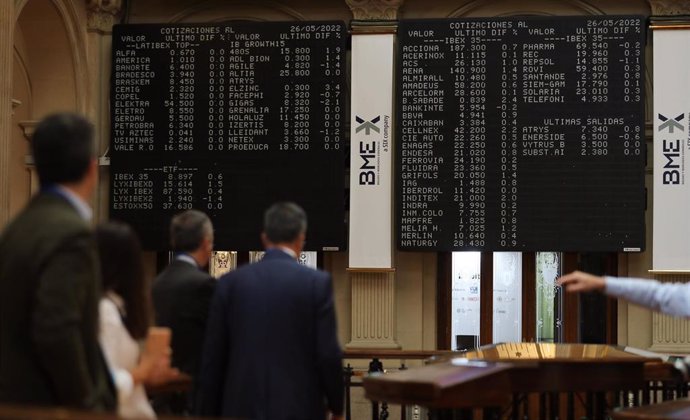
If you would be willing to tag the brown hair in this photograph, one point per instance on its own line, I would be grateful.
(123, 273)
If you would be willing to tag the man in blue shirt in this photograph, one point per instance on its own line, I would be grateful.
(50, 281)
(669, 298)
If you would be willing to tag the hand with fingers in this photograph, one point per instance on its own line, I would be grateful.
(579, 281)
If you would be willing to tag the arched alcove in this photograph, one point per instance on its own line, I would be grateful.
(49, 75)
(47, 49)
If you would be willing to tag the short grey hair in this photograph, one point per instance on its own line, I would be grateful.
(188, 229)
(284, 222)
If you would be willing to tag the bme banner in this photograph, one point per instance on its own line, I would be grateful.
(671, 150)
(371, 152)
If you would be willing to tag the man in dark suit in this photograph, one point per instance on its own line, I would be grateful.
(181, 297)
(271, 350)
(50, 280)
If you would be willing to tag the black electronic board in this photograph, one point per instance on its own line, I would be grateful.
(521, 134)
(229, 118)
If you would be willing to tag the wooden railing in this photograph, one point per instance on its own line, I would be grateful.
(662, 383)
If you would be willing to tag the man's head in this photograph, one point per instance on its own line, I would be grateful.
(285, 224)
(191, 232)
(64, 152)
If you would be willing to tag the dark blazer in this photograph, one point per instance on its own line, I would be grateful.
(49, 293)
(181, 298)
(271, 350)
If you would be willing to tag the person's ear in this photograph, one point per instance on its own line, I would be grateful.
(301, 240)
(93, 167)
(91, 176)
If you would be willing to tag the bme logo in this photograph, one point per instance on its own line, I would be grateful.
(367, 150)
(671, 149)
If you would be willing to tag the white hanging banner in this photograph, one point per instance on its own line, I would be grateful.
(507, 321)
(371, 147)
(671, 240)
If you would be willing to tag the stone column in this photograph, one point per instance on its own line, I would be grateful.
(101, 16)
(7, 22)
(373, 309)
(372, 280)
(669, 335)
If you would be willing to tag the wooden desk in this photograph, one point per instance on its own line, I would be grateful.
(567, 367)
(443, 385)
(508, 369)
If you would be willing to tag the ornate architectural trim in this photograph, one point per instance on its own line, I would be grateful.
(582, 5)
(670, 7)
(222, 262)
(374, 9)
(236, 10)
(77, 40)
(102, 14)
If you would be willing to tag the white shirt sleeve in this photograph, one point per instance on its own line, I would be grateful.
(114, 340)
(669, 298)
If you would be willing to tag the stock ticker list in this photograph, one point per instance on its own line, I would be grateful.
(521, 134)
(229, 118)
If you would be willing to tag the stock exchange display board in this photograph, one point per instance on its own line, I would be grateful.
(229, 118)
(521, 134)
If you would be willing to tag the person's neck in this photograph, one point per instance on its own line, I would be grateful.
(200, 257)
(294, 248)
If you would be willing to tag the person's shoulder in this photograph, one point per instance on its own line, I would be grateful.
(182, 274)
(108, 312)
(50, 223)
(54, 210)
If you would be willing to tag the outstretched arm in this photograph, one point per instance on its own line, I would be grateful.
(669, 298)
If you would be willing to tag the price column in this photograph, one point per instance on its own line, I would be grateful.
(180, 102)
(331, 100)
(214, 190)
(178, 187)
(216, 99)
(509, 145)
(475, 107)
(295, 111)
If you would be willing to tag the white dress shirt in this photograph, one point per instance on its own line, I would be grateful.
(669, 298)
(80, 205)
(122, 355)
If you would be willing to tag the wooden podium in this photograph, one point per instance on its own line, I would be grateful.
(497, 375)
